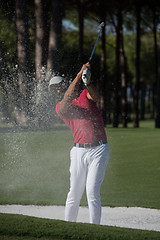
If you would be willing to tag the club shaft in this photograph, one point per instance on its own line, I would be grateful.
(102, 24)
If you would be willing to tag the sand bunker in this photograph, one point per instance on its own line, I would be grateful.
(131, 217)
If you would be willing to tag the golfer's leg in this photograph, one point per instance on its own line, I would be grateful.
(77, 184)
(95, 178)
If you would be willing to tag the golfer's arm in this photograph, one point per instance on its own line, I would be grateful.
(70, 94)
(92, 93)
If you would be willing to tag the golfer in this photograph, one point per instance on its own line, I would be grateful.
(90, 154)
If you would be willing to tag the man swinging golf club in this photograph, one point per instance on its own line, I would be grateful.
(90, 153)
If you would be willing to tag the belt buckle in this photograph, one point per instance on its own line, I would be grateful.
(77, 145)
(86, 145)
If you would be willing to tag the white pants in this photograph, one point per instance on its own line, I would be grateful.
(87, 168)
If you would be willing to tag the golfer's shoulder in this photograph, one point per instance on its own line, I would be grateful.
(64, 108)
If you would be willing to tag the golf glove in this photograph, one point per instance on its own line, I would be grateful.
(86, 77)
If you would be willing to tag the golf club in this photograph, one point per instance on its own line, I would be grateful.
(101, 26)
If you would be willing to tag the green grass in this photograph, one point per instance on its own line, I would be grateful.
(6, 237)
(34, 167)
(29, 228)
(133, 175)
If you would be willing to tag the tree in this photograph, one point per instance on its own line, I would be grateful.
(151, 20)
(53, 62)
(117, 80)
(47, 58)
(23, 58)
(157, 67)
(123, 80)
(103, 73)
(81, 28)
(41, 36)
(120, 79)
(8, 89)
(137, 66)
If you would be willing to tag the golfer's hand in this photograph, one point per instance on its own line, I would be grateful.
(85, 66)
(86, 77)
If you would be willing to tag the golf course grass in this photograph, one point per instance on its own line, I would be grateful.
(34, 167)
(14, 227)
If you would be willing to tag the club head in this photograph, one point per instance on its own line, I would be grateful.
(102, 24)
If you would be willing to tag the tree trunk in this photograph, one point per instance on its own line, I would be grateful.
(103, 76)
(81, 29)
(157, 73)
(117, 76)
(53, 62)
(143, 95)
(123, 81)
(24, 77)
(138, 48)
(41, 37)
(153, 100)
(8, 90)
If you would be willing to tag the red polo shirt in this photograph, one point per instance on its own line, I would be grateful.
(84, 119)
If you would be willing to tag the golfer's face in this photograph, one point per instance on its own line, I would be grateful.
(59, 89)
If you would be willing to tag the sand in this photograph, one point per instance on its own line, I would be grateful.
(128, 217)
